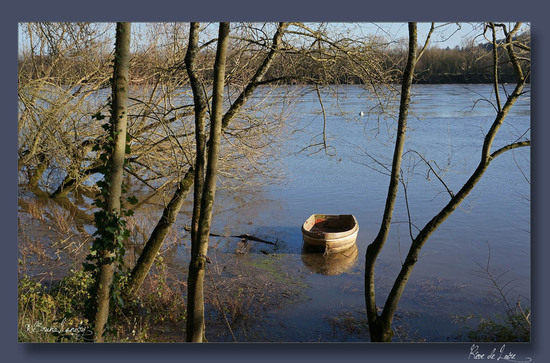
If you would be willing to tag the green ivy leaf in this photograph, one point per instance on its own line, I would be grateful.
(132, 200)
(88, 266)
(98, 116)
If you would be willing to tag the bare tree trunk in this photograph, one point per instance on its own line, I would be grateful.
(486, 158)
(116, 166)
(380, 325)
(195, 309)
(193, 176)
(380, 330)
(195, 304)
(200, 115)
(154, 243)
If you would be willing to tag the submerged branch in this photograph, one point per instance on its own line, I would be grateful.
(245, 236)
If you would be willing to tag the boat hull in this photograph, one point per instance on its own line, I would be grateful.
(330, 233)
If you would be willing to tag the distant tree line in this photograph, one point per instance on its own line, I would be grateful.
(471, 64)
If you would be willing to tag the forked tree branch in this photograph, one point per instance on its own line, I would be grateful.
(486, 158)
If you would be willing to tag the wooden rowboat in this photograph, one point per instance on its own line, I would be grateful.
(330, 233)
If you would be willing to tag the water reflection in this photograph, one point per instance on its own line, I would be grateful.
(274, 212)
(330, 264)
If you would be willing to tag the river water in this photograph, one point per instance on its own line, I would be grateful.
(299, 297)
(490, 230)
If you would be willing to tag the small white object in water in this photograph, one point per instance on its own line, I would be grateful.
(361, 114)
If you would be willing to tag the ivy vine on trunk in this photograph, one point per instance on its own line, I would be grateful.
(107, 251)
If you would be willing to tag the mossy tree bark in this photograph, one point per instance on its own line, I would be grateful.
(380, 325)
(119, 119)
(195, 298)
(38, 172)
